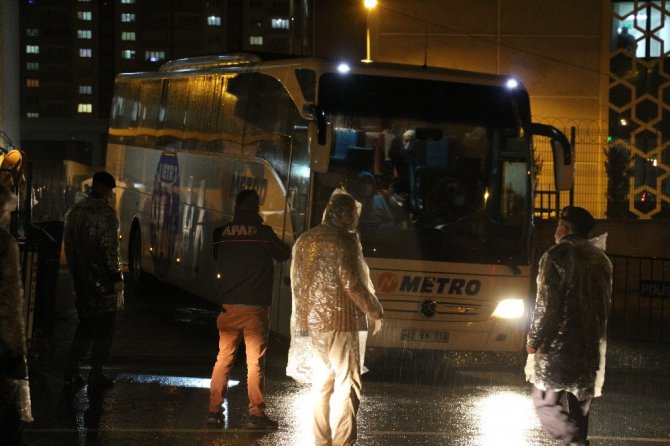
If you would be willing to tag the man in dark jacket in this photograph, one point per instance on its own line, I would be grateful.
(567, 337)
(244, 250)
(91, 239)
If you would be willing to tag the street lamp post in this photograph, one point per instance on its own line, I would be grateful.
(369, 5)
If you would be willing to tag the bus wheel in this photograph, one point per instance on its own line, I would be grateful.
(137, 276)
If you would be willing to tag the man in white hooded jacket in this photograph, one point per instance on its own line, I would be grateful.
(333, 301)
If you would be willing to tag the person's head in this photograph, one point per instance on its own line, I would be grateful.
(8, 203)
(574, 220)
(408, 137)
(342, 211)
(103, 184)
(365, 185)
(455, 192)
(247, 201)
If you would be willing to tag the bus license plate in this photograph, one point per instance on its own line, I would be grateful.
(424, 336)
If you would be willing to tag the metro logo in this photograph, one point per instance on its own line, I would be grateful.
(388, 282)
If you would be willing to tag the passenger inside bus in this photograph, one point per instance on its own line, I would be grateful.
(445, 203)
(402, 154)
(375, 213)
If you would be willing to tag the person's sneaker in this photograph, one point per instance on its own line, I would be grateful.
(261, 422)
(216, 419)
(73, 380)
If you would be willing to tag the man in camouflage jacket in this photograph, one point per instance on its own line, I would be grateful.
(91, 237)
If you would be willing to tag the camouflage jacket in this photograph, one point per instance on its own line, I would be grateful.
(91, 237)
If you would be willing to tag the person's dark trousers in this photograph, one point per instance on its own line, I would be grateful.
(98, 331)
(11, 428)
(570, 426)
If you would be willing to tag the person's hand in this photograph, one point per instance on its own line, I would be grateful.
(377, 326)
(531, 350)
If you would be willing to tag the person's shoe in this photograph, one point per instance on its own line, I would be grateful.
(100, 382)
(216, 419)
(73, 380)
(261, 422)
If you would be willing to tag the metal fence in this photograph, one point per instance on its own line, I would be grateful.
(590, 187)
(640, 298)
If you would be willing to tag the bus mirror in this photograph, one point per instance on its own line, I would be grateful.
(564, 170)
(564, 166)
(320, 137)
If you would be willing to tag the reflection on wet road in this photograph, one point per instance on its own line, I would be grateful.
(166, 345)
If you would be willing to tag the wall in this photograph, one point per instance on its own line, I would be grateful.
(9, 75)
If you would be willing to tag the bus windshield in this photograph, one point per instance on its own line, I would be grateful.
(440, 168)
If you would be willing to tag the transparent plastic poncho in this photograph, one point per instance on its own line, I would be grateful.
(569, 326)
(332, 289)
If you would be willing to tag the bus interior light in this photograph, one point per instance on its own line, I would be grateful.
(509, 309)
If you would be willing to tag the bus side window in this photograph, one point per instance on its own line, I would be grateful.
(125, 111)
(171, 127)
(150, 103)
(203, 101)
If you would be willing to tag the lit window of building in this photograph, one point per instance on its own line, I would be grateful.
(127, 17)
(256, 40)
(32, 66)
(280, 23)
(83, 1)
(86, 89)
(84, 108)
(128, 35)
(32, 83)
(127, 2)
(85, 15)
(32, 32)
(85, 52)
(84, 34)
(32, 115)
(128, 54)
(32, 49)
(154, 56)
(214, 20)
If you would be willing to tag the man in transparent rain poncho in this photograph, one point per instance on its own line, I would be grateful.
(567, 337)
(332, 299)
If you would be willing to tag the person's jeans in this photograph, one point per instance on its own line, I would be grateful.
(252, 323)
(337, 377)
(570, 426)
(97, 330)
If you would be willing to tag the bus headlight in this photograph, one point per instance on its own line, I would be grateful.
(509, 309)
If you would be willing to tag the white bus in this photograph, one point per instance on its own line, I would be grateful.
(452, 264)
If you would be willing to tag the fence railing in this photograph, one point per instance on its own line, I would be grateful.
(640, 298)
(547, 204)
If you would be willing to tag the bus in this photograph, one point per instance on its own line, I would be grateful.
(449, 154)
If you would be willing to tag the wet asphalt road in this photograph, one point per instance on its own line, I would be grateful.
(164, 349)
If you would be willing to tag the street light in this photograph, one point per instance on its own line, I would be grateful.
(369, 5)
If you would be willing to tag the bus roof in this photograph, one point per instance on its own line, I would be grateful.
(241, 62)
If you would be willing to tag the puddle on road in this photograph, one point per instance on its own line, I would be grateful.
(171, 381)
